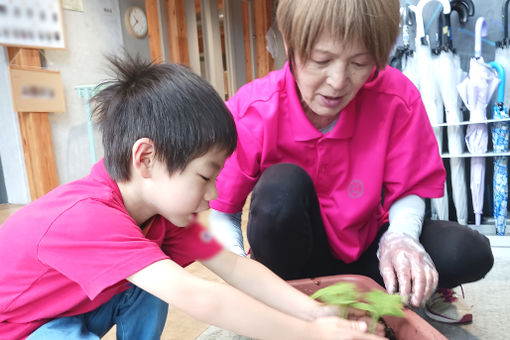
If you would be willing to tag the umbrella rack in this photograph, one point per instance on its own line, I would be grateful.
(467, 154)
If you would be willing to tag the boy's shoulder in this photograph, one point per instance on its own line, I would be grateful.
(78, 200)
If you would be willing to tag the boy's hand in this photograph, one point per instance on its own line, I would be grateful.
(353, 314)
(335, 328)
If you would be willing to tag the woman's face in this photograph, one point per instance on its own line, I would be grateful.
(332, 75)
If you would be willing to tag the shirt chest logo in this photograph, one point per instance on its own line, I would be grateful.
(355, 188)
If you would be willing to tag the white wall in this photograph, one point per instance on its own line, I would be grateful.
(11, 150)
(90, 36)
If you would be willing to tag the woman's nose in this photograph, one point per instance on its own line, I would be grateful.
(337, 77)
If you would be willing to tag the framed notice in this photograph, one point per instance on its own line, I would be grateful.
(36, 90)
(31, 23)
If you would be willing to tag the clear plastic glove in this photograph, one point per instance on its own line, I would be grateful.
(404, 262)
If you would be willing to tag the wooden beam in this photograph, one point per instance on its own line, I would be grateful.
(247, 40)
(36, 135)
(151, 8)
(176, 27)
(262, 13)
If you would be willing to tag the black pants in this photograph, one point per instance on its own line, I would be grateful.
(286, 233)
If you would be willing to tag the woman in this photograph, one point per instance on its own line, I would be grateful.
(339, 152)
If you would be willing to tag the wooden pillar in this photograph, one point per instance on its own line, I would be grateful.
(36, 135)
(262, 13)
(151, 8)
(176, 27)
(247, 40)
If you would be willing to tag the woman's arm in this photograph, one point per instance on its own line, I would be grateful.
(226, 228)
(229, 308)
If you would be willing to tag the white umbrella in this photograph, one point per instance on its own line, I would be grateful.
(430, 94)
(408, 60)
(448, 72)
(476, 91)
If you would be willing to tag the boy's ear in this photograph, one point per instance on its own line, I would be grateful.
(143, 155)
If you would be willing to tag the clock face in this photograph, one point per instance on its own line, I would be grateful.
(136, 22)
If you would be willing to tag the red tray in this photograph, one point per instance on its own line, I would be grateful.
(410, 327)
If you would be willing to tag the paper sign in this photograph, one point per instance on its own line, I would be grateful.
(73, 5)
(31, 23)
(36, 90)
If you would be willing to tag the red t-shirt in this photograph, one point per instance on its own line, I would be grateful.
(70, 251)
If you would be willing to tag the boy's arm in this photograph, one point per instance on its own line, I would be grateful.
(226, 307)
(259, 282)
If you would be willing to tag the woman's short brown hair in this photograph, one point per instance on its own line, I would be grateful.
(374, 22)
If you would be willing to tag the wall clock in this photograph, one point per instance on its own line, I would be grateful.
(136, 22)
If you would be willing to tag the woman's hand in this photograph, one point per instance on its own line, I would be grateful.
(404, 260)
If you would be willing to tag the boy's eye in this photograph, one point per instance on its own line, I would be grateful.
(207, 179)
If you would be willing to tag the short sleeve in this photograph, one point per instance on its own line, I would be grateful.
(96, 250)
(242, 168)
(186, 245)
(413, 163)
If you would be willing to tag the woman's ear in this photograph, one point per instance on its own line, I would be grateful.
(143, 157)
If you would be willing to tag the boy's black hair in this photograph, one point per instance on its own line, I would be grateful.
(179, 111)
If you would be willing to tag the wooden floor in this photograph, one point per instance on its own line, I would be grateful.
(179, 326)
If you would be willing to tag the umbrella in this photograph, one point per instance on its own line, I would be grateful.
(430, 94)
(502, 55)
(476, 91)
(500, 143)
(403, 59)
(449, 71)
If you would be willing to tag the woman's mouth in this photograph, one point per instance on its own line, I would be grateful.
(331, 102)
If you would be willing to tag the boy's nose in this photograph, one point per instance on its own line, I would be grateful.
(212, 193)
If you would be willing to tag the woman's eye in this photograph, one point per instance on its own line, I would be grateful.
(357, 64)
(321, 61)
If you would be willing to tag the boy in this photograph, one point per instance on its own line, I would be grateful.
(109, 248)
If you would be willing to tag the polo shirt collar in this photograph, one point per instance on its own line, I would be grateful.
(302, 128)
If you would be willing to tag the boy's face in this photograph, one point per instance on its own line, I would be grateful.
(178, 196)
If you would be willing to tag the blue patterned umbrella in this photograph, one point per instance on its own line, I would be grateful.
(500, 143)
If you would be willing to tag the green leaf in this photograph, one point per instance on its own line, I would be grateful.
(342, 293)
(385, 304)
(375, 302)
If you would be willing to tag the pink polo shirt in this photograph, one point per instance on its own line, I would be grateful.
(382, 143)
(70, 251)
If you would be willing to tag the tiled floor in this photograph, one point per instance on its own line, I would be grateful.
(490, 300)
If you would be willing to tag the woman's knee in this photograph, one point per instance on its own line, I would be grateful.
(458, 251)
(282, 190)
